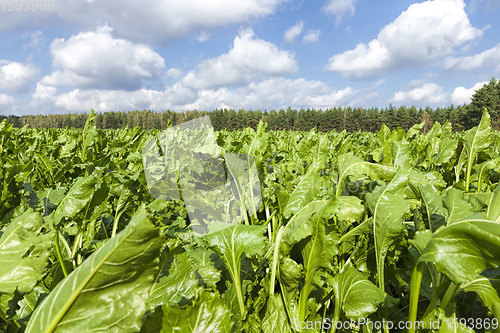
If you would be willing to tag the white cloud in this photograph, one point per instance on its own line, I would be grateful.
(274, 93)
(204, 36)
(249, 58)
(265, 94)
(156, 20)
(15, 76)
(420, 94)
(312, 36)
(105, 100)
(340, 8)
(425, 32)
(6, 102)
(35, 39)
(95, 59)
(174, 73)
(462, 95)
(487, 59)
(294, 32)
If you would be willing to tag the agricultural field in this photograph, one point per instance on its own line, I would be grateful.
(103, 230)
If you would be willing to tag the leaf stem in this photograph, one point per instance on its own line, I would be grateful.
(236, 277)
(275, 260)
(58, 251)
(448, 296)
(416, 280)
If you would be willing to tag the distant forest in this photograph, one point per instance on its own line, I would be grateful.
(332, 119)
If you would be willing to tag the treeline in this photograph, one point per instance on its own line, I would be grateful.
(332, 119)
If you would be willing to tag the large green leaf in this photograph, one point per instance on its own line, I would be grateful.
(488, 290)
(275, 319)
(458, 208)
(77, 197)
(109, 290)
(301, 224)
(350, 165)
(433, 203)
(207, 314)
(24, 253)
(464, 249)
(355, 294)
(177, 282)
(304, 192)
(317, 253)
(231, 244)
(388, 207)
(475, 140)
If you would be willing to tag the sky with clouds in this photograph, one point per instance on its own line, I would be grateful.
(69, 56)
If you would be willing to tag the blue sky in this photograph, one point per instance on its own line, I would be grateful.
(71, 56)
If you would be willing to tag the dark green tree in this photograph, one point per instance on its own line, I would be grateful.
(486, 97)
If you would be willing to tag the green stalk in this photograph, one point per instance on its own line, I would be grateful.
(304, 296)
(448, 296)
(58, 251)
(235, 274)
(275, 259)
(9, 321)
(115, 223)
(336, 315)
(416, 280)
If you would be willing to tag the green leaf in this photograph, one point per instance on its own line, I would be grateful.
(24, 253)
(488, 290)
(475, 140)
(246, 180)
(464, 249)
(275, 319)
(204, 266)
(304, 192)
(177, 284)
(350, 209)
(350, 165)
(458, 208)
(109, 290)
(355, 294)
(388, 207)
(301, 225)
(89, 135)
(493, 212)
(207, 314)
(77, 197)
(317, 253)
(433, 203)
(231, 244)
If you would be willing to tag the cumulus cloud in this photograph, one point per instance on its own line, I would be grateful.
(157, 20)
(15, 76)
(462, 95)
(265, 94)
(420, 94)
(487, 59)
(425, 32)
(248, 59)
(274, 93)
(294, 32)
(95, 59)
(312, 36)
(340, 8)
(174, 73)
(6, 102)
